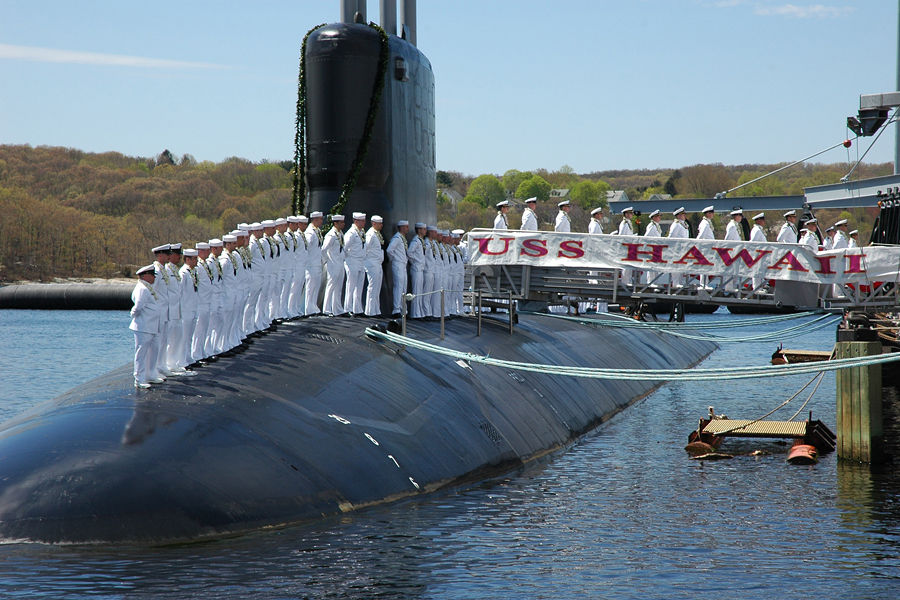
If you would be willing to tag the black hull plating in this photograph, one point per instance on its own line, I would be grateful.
(312, 420)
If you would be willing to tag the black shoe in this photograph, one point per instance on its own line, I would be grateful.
(396, 316)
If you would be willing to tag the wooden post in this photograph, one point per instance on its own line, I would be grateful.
(859, 427)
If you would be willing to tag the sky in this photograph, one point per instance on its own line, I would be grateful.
(527, 84)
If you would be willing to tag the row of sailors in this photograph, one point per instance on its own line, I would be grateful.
(228, 289)
(836, 237)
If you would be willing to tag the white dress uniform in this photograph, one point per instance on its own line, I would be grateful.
(733, 231)
(415, 255)
(679, 230)
(652, 230)
(333, 253)
(758, 234)
(442, 269)
(161, 286)
(840, 241)
(174, 337)
(225, 337)
(242, 291)
(396, 251)
(259, 254)
(625, 229)
(279, 270)
(828, 242)
(205, 289)
(852, 243)
(432, 279)
(374, 271)
(810, 239)
(562, 223)
(355, 268)
(286, 272)
(595, 227)
(145, 315)
(314, 239)
(190, 303)
(705, 231)
(529, 220)
(500, 221)
(298, 283)
(788, 234)
(216, 316)
(459, 276)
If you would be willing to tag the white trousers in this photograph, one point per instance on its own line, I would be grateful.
(440, 283)
(332, 303)
(295, 298)
(374, 275)
(174, 344)
(201, 330)
(427, 286)
(418, 287)
(398, 272)
(188, 325)
(353, 295)
(313, 283)
(146, 348)
(161, 340)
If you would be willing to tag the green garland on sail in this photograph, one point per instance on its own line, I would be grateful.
(299, 191)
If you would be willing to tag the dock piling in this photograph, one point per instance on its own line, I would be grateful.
(859, 419)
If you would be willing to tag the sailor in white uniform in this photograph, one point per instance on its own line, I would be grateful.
(563, 223)
(840, 236)
(355, 263)
(226, 341)
(500, 221)
(333, 254)
(174, 341)
(145, 324)
(314, 262)
(706, 231)
(396, 251)
(286, 267)
(788, 233)
(205, 283)
(758, 234)
(216, 315)
(459, 272)
(679, 229)
(854, 239)
(415, 254)
(809, 237)
(298, 225)
(441, 275)
(374, 268)
(594, 225)
(190, 305)
(652, 230)
(259, 253)
(626, 229)
(529, 216)
(828, 241)
(432, 276)
(733, 230)
(161, 285)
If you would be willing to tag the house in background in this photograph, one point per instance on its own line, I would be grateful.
(616, 196)
(453, 195)
(559, 194)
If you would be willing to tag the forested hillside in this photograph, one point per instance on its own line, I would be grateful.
(68, 213)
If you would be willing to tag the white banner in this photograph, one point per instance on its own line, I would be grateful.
(765, 260)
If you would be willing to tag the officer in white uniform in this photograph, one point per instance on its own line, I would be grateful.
(226, 341)
(653, 228)
(145, 324)
(706, 231)
(758, 234)
(840, 236)
(442, 274)
(415, 254)
(594, 226)
(625, 229)
(500, 221)
(355, 263)
(314, 239)
(854, 239)
(190, 304)
(788, 233)
(333, 254)
(217, 305)
(459, 273)
(374, 266)
(162, 284)
(679, 229)
(432, 275)
(562, 223)
(273, 271)
(529, 217)
(809, 237)
(286, 267)
(828, 241)
(205, 283)
(259, 252)
(733, 230)
(174, 342)
(396, 251)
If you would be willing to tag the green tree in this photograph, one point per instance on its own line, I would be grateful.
(535, 186)
(486, 190)
(589, 194)
(513, 178)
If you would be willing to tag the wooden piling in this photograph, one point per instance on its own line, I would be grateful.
(859, 426)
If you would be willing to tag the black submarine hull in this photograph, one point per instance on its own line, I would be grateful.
(314, 419)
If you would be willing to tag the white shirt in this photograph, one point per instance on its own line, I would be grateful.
(840, 241)
(500, 221)
(529, 220)
(562, 222)
(415, 253)
(190, 290)
(787, 234)
(625, 227)
(594, 226)
(810, 239)
(653, 230)
(146, 309)
(374, 251)
(758, 234)
(354, 247)
(314, 239)
(397, 249)
(705, 231)
(852, 244)
(679, 229)
(732, 231)
(332, 250)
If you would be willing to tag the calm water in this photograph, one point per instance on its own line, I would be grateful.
(624, 513)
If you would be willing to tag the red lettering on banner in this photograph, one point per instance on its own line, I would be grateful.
(570, 249)
(743, 255)
(483, 245)
(534, 248)
(855, 263)
(695, 255)
(790, 261)
(655, 252)
(825, 265)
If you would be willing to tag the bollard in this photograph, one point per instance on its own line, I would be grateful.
(859, 423)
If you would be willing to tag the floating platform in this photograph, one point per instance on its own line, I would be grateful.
(814, 433)
(791, 357)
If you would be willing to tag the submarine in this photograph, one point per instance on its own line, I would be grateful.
(319, 417)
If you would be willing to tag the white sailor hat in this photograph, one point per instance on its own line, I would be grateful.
(315, 214)
(302, 219)
(502, 203)
(790, 213)
(235, 232)
(268, 223)
(445, 232)
(854, 232)
(337, 218)
(454, 235)
(229, 238)
(293, 219)
(243, 233)
(738, 211)
(420, 225)
(175, 247)
(759, 216)
(190, 252)
(255, 226)
(215, 243)
(243, 227)
(163, 248)
(359, 216)
(147, 269)
(458, 232)
(709, 208)
(827, 229)
(532, 199)
(432, 228)
(377, 219)
(402, 223)
(678, 211)
(597, 210)
(281, 221)
(812, 221)
(202, 246)
(563, 203)
(627, 209)
(654, 213)
(841, 222)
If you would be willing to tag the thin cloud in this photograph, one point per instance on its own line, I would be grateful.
(52, 55)
(809, 11)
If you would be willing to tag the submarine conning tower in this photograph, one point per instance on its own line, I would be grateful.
(342, 60)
